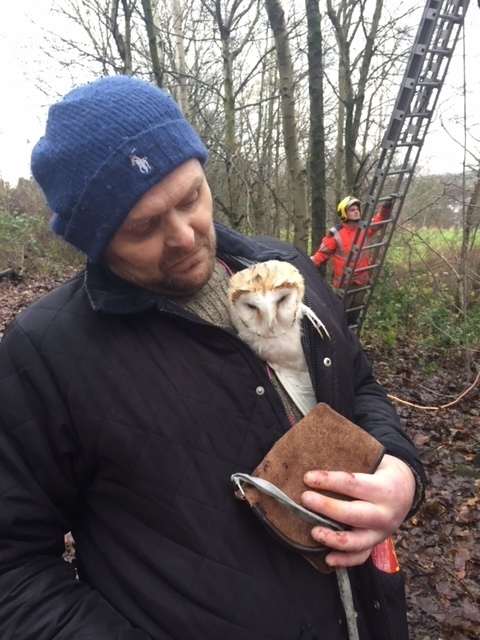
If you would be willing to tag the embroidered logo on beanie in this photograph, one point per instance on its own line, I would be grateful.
(141, 163)
(105, 144)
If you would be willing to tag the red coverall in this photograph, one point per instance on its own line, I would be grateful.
(337, 243)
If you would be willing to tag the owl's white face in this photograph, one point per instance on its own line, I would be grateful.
(266, 314)
(266, 309)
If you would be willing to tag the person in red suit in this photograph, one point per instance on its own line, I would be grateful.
(337, 242)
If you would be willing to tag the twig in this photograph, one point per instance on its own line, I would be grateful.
(442, 406)
(345, 589)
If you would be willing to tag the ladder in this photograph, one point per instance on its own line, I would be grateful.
(438, 32)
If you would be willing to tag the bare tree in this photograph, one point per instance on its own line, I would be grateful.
(152, 24)
(370, 55)
(352, 98)
(228, 17)
(317, 125)
(123, 37)
(104, 35)
(296, 167)
(179, 57)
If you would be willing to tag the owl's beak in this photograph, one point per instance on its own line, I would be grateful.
(272, 324)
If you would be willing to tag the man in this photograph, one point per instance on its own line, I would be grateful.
(337, 243)
(127, 402)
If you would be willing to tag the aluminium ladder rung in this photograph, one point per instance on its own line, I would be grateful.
(360, 270)
(441, 52)
(411, 143)
(345, 292)
(398, 172)
(420, 114)
(435, 84)
(366, 247)
(452, 17)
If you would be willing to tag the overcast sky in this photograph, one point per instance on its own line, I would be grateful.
(23, 106)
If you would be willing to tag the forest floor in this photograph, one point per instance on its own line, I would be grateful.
(439, 548)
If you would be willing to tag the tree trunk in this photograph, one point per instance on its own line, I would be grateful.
(351, 94)
(468, 225)
(123, 41)
(317, 128)
(179, 45)
(150, 14)
(295, 166)
(229, 110)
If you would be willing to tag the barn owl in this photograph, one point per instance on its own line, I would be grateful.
(266, 308)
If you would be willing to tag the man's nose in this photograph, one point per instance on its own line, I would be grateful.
(178, 231)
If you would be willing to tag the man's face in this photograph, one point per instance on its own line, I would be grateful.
(166, 243)
(353, 212)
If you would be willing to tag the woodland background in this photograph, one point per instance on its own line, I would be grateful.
(292, 99)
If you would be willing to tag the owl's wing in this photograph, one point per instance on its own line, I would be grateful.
(298, 385)
(315, 320)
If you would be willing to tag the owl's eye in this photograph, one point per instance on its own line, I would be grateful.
(280, 300)
(251, 306)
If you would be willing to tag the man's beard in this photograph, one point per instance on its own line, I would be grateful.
(177, 286)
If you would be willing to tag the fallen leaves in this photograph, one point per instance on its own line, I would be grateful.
(439, 548)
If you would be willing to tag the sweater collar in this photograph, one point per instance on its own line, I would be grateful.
(111, 294)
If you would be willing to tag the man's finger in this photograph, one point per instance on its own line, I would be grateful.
(362, 486)
(355, 513)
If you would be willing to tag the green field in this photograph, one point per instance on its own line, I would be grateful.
(408, 244)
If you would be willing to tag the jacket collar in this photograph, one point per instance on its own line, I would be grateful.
(111, 294)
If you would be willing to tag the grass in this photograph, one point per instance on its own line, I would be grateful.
(420, 243)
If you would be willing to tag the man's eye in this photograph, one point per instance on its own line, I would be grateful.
(189, 200)
(143, 227)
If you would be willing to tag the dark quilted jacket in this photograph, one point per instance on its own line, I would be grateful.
(122, 419)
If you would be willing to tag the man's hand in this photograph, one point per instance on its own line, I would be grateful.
(379, 505)
(388, 203)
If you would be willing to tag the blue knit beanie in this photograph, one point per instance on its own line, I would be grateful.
(106, 144)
